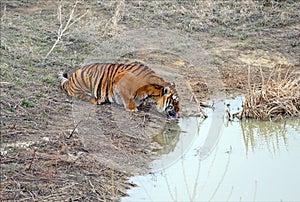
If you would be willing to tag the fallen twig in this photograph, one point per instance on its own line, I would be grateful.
(32, 159)
(72, 132)
(201, 104)
(196, 100)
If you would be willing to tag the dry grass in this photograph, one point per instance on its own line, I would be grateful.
(276, 98)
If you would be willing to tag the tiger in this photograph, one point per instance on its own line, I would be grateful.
(129, 85)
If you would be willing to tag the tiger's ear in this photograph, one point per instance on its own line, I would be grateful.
(173, 85)
(166, 90)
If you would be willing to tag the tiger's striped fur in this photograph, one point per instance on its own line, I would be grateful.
(127, 84)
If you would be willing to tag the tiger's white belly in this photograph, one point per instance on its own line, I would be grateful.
(116, 97)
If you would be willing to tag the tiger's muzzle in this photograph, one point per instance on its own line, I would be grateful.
(171, 113)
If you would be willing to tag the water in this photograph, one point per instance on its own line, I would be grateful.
(217, 160)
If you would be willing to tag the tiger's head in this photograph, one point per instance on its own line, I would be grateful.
(167, 101)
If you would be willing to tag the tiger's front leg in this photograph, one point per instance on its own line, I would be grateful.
(130, 105)
(128, 102)
(122, 90)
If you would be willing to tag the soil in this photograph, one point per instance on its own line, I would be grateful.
(57, 148)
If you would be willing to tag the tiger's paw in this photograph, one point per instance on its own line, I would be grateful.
(130, 106)
(99, 101)
(132, 109)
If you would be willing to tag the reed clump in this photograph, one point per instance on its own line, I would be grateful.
(275, 98)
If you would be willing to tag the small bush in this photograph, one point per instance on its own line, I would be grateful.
(276, 98)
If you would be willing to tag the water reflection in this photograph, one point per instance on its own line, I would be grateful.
(249, 160)
(271, 135)
(175, 145)
(167, 138)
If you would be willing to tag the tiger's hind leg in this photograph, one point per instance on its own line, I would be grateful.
(100, 101)
(86, 97)
(77, 92)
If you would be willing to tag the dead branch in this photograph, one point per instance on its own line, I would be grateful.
(62, 29)
(196, 100)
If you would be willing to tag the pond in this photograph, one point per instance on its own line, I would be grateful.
(220, 160)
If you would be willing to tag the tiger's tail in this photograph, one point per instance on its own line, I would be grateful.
(63, 78)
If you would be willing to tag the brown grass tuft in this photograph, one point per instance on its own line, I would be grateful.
(274, 99)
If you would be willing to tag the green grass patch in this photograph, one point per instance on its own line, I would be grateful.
(19, 82)
(11, 109)
(39, 95)
(49, 81)
(27, 103)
